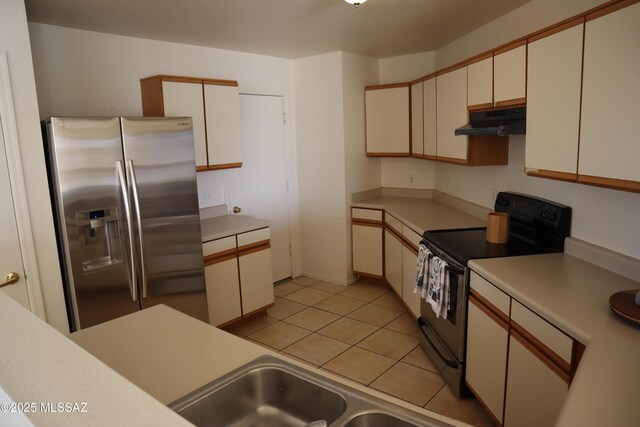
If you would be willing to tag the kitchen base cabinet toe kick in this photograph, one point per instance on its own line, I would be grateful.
(238, 276)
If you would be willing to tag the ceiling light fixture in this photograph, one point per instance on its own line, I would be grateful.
(356, 3)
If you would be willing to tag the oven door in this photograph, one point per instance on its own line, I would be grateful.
(443, 339)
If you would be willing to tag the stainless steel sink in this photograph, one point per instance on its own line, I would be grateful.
(270, 392)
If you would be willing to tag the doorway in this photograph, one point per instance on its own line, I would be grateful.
(260, 186)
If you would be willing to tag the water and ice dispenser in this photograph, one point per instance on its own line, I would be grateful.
(99, 234)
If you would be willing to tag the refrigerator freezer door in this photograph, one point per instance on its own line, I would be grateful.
(93, 235)
(161, 173)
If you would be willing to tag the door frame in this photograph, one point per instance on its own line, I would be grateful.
(291, 170)
(9, 129)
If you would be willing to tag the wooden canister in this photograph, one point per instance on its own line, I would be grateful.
(497, 227)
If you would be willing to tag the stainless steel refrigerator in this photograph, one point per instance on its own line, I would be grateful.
(125, 202)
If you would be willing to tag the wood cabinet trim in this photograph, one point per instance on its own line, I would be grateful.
(388, 86)
(369, 275)
(254, 247)
(378, 154)
(486, 408)
(451, 160)
(549, 31)
(220, 256)
(559, 364)
(510, 46)
(489, 309)
(152, 97)
(480, 107)
(451, 68)
(480, 57)
(518, 102)
(613, 183)
(405, 242)
(424, 78)
(576, 356)
(172, 78)
(543, 173)
(393, 231)
(257, 311)
(220, 82)
(219, 166)
(487, 150)
(608, 8)
(543, 356)
(366, 222)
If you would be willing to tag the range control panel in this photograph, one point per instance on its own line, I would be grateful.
(535, 212)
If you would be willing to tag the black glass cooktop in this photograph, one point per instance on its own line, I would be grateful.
(471, 243)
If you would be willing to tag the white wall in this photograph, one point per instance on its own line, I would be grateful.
(14, 39)
(321, 166)
(406, 68)
(362, 172)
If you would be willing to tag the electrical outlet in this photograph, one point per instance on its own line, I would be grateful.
(207, 196)
(410, 179)
(449, 184)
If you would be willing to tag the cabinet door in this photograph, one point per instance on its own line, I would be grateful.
(223, 291)
(535, 393)
(452, 113)
(387, 121)
(409, 272)
(509, 79)
(222, 111)
(609, 145)
(393, 261)
(255, 280)
(553, 103)
(417, 126)
(429, 117)
(367, 249)
(185, 99)
(480, 84)
(487, 340)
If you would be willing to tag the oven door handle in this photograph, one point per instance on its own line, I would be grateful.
(422, 323)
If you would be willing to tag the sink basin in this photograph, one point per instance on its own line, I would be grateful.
(265, 397)
(377, 419)
(271, 392)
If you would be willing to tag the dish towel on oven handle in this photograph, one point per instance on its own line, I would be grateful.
(422, 274)
(438, 286)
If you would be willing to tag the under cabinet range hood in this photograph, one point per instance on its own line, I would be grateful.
(502, 122)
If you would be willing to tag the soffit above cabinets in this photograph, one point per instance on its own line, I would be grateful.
(281, 28)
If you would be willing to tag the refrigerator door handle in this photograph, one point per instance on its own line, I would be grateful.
(136, 203)
(127, 212)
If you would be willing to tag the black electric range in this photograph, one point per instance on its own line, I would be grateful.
(536, 226)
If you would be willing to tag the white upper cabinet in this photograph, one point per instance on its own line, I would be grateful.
(417, 127)
(214, 106)
(509, 76)
(429, 117)
(609, 143)
(185, 99)
(387, 120)
(553, 102)
(480, 84)
(452, 113)
(222, 104)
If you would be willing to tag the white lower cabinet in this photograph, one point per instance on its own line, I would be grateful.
(409, 271)
(518, 364)
(535, 393)
(238, 276)
(487, 341)
(367, 236)
(393, 261)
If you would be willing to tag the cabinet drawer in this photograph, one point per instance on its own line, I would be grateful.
(393, 222)
(253, 236)
(219, 245)
(411, 235)
(542, 330)
(369, 214)
(489, 292)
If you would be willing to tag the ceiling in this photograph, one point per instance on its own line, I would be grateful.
(282, 28)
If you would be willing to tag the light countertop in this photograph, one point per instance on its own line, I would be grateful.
(574, 295)
(169, 354)
(421, 214)
(227, 225)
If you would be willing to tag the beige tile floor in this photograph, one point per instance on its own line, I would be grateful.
(362, 332)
